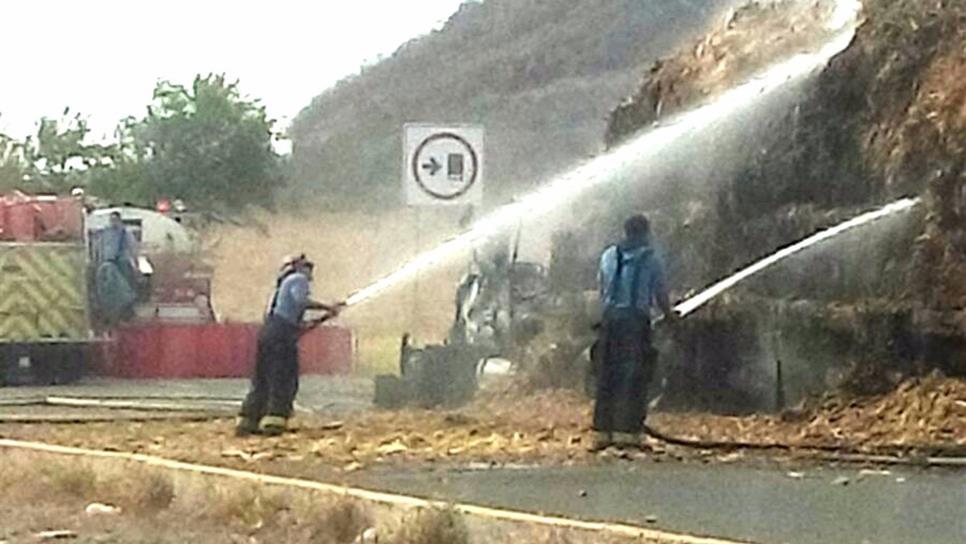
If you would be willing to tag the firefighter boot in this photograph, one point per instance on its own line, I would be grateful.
(627, 441)
(602, 441)
(246, 426)
(272, 425)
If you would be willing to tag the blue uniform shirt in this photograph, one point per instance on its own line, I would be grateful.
(117, 244)
(650, 283)
(291, 298)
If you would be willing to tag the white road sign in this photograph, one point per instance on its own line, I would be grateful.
(442, 164)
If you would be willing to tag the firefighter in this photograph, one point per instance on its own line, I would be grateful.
(268, 405)
(631, 278)
(116, 275)
(120, 247)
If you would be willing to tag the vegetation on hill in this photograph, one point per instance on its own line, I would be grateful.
(540, 76)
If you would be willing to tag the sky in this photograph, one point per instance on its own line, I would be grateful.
(102, 58)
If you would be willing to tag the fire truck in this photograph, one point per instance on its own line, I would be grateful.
(53, 328)
(49, 326)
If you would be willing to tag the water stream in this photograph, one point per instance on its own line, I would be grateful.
(648, 145)
(702, 298)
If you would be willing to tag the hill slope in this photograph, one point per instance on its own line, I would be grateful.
(540, 75)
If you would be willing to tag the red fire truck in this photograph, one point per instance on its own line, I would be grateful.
(52, 332)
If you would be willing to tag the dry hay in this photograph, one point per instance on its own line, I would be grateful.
(919, 414)
(748, 40)
(916, 130)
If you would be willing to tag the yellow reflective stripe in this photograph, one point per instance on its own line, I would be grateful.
(43, 293)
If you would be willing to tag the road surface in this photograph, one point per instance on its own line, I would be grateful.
(331, 395)
(764, 504)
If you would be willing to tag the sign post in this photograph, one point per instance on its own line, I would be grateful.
(442, 164)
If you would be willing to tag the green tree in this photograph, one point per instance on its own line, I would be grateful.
(123, 176)
(59, 155)
(13, 166)
(55, 158)
(207, 145)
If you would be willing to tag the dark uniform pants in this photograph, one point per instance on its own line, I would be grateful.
(625, 363)
(276, 378)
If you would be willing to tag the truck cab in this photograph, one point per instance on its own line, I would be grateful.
(45, 325)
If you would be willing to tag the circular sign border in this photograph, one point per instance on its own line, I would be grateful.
(416, 166)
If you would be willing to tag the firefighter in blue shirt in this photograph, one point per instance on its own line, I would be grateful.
(268, 405)
(631, 280)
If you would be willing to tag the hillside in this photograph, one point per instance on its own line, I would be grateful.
(540, 75)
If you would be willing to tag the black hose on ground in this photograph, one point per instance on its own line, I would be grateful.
(938, 456)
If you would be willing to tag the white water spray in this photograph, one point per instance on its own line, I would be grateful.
(845, 12)
(702, 298)
(648, 144)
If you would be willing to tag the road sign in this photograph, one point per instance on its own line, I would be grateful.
(442, 164)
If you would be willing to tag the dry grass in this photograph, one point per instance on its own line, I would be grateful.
(155, 492)
(342, 522)
(234, 504)
(71, 480)
(135, 488)
(165, 507)
(290, 515)
(350, 250)
(433, 526)
(198, 505)
(57, 479)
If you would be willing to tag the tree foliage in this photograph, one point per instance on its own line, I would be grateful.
(13, 166)
(54, 158)
(59, 155)
(207, 145)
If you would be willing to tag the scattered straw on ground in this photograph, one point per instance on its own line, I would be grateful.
(919, 415)
(550, 427)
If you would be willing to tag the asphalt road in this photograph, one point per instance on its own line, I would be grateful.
(331, 395)
(765, 505)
